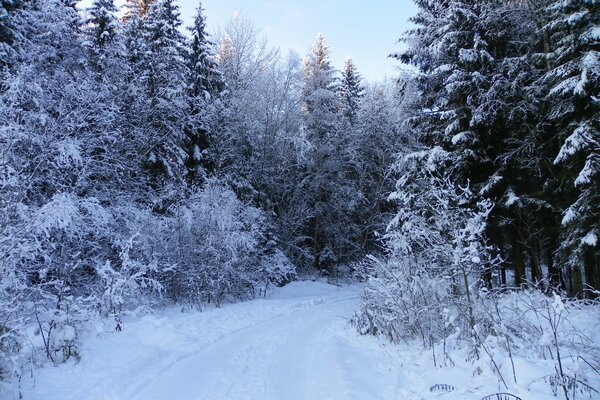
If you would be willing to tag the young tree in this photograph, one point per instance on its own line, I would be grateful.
(101, 29)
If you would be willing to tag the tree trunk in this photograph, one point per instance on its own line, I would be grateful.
(554, 275)
(517, 262)
(590, 263)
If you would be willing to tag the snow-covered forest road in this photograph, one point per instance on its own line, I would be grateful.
(295, 344)
(297, 355)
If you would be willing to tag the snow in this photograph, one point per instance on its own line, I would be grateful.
(586, 175)
(577, 17)
(294, 344)
(576, 142)
(590, 60)
(59, 213)
(459, 138)
(592, 34)
(590, 239)
(569, 216)
(581, 85)
(511, 199)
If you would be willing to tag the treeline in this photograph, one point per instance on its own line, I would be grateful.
(494, 245)
(509, 108)
(140, 165)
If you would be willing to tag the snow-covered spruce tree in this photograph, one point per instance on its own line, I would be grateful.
(101, 28)
(478, 65)
(438, 258)
(350, 92)
(451, 50)
(573, 83)
(330, 196)
(138, 8)
(206, 85)
(164, 75)
(512, 114)
(508, 114)
(378, 136)
(206, 78)
(102, 23)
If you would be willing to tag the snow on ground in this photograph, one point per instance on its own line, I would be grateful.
(294, 344)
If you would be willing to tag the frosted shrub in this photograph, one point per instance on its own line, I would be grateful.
(550, 327)
(402, 301)
(124, 283)
(59, 316)
(438, 259)
(11, 339)
(218, 247)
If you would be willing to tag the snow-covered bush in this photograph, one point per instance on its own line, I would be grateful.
(435, 287)
(217, 246)
(59, 316)
(11, 321)
(438, 259)
(532, 324)
(123, 284)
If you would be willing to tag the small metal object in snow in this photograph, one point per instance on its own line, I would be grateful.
(501, 396)
(441, 387)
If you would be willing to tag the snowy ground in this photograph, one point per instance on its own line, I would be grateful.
(295, 344)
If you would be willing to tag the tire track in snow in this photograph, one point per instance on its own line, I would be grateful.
(240, 365)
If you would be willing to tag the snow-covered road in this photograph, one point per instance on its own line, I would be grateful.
(295, 344)
(298, 355)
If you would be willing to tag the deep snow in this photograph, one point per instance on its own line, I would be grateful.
(294, 344)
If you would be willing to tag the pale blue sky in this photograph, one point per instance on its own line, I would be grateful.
(365, 30)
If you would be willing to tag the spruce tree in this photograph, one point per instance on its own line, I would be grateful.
(350, 91)
(206, 79)
(330, 191)
(102, 23)
(206, 85)
(164, 78)
(464, 79)
(138, 7)
(573, 90)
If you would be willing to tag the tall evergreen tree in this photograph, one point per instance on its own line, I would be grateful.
(350, 91)
(164, 78)
(331, 195)
(206, 84)
(573, 93)
(102, 23)
(138, 7)
(206, 78)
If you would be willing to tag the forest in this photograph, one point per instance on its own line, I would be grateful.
(143, 165)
